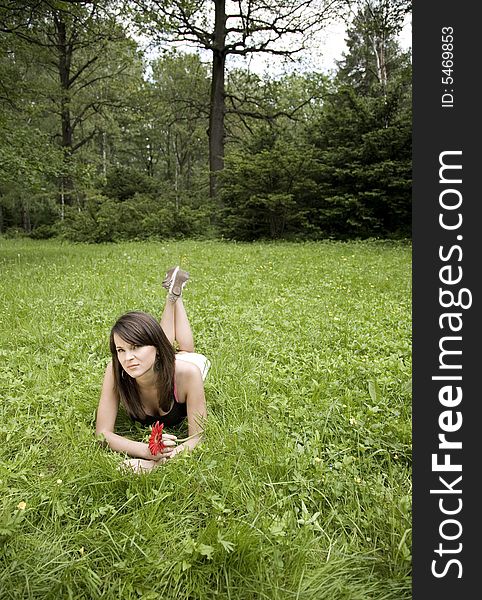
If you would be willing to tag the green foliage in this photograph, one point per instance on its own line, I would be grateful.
(165, 133)
(124, 182)
(73, 63)
(365, 166)
(26, 153)
(342, 169)
(28, 210)
(261, 192)
(302, 486)
(373, 57)
(348, 175)
(104, 219)
(363, 134)
(307, 156)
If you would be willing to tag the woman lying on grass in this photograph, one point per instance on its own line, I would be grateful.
(153, 382)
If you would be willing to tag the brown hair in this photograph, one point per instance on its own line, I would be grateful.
(142, 329)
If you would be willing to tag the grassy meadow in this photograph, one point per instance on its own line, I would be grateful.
(302, 488)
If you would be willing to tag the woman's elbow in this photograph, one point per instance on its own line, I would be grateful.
(102, 433)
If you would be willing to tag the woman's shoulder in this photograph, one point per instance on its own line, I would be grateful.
(109, 369)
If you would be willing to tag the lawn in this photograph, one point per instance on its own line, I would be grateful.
(302, 488)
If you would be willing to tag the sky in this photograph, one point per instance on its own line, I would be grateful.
(329, 48)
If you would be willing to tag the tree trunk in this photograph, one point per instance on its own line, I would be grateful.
(150, 159)
(168, 156)
(104, 155)
(216, 115)
(176, 185)
(378, 43)
(27, 226)
(62, 200)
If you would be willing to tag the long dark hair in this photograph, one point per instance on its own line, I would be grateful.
(142, 329)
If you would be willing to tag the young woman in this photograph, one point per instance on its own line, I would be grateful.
(152, 381)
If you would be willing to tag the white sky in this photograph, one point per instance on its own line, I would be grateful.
(328, 48)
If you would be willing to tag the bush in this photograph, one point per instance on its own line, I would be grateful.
(263, 194)
(14, 233)
(141, 217)
(44, 232)
(96, 222)
(125, 182)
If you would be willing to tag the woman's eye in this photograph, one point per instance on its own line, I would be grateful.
(119, 350)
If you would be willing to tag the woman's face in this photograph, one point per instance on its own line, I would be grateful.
(135, 360)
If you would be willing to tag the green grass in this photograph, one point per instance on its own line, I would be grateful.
(302, 488)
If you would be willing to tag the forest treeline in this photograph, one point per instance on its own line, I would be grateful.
(99, 142)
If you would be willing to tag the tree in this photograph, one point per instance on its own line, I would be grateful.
(180, 98)
(230, 28)
(269, 178)
(372, 48)
(28, 156)
(364, 140)
(162, 135)
(263, 192)
(78, 46)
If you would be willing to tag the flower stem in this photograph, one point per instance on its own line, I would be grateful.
(189, 438)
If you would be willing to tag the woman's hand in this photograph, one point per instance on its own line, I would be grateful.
(187, 445)
(169, 442)
(172, 452)
(144, 465)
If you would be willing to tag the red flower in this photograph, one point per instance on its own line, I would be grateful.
(155, 441)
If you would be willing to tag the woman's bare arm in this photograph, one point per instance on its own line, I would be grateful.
(196, 404)
(193, 385)
(106, 416)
